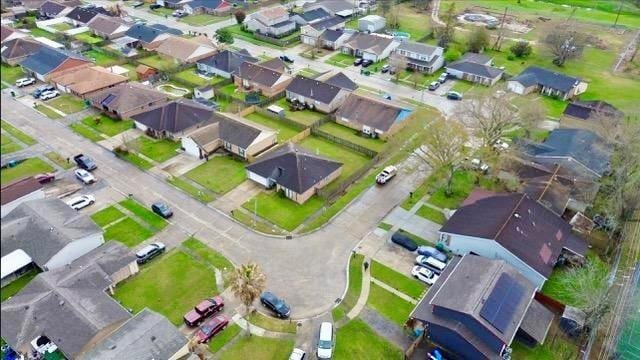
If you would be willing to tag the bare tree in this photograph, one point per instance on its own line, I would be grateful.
(415, 78)
(443, 147)
(445, 33)
(530, 116)
(385, 6)
(565, 44)
(489, 116)
(197, 348)
(399, 62)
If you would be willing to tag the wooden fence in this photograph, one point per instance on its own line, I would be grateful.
(284, 119)
(346, 143)
(330, 194)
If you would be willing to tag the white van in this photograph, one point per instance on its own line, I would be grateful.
(325, 342)
(435, 263)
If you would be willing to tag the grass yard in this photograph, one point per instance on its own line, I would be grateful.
(85, 131)
(258, 348)
(351, 160)
(354, 289)
(101, 58)
(271, 323)
(285, 130)
(128, 232)
(385, 226)
(202, 19)
(89, 38)
(106, 216)
(357, 340)
(171, 285)
(29, 167)
(189, 76)
(237, 32)
(157, 150)
(62, 26)
(16, 133)
(195, 192)
(7, 145)
(135, 160)
(15, 286)
(107, 125)
(207, 254)
(146, 215)
(59, 160)
(304, 117)
(162, 11)
(10, 74)
(37, 32)
(341, 60)
(224, 337)
(282, 211)
(416, 22)
(555, 347)
(389, 305)
(353, 136)
(158, 62)
(68, 104)
(463, 184)
(431, 214)
(220, 174)
(554, 287)
(257, 224)
(396, 280)
(48, 112)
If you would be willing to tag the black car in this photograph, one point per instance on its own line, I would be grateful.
(286, 59)
(149, 252)
(85, 162)
(404, 241)
(366, 63)
(357, 61)
(44, 88)
(162, 209)
(154, 6)
(454, 95)
(275, 304)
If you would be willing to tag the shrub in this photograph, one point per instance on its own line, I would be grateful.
(521, 49)
(452, 55)
(224, 36)
(511, 57)
(240, 16)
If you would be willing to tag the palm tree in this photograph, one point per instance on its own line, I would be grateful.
(200, 350)
(247, 283)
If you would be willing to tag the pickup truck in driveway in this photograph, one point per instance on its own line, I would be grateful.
(203, 310)
(85, 162)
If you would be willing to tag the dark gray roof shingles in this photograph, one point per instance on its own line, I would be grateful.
(546, 78)
(313, 89)
(175, 116)
(228, 61)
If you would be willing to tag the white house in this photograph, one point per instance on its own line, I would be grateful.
(20, 191)
(371, 23)
(546, 82)
(311, 33)
(273, 21)
(372, 47)
(475, 68)
(421, 57)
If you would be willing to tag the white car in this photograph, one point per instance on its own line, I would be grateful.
(501, 145)
(477, 164)
(81, 202)
(25, 82)
(85, 176)
(425, 275)
(49, 95)
(386, 174)
(297, 354)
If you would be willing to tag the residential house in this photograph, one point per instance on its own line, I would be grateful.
(231, 133)
(374, 47)
(421, 57)
(47, 63)
(373, 117)
(87, 80)
(294, 171)
(50, 232)
(340, 80)
(147, 37)
(258, 77)
(478, 307)
(147, 335)
(310, 16)
(311, 33)
(16, 50)
(18, 192)
(125, 100)
(212, 7)
(334, 39)
(172, 4)
(475, 68)
(273, 21)
(8, 33)
(70, 305)
(580, 150)
(225, 63)
(172, 120)
(276, 64)
(52, 9)
(186, 51)
(319, 95)
(81, 16)
(596, 115)
(342, 8)
(546, 82)
(108, 27)
(371, 23)
(516, 229)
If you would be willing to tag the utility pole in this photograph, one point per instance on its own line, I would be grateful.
(618, 14)
(498, 42)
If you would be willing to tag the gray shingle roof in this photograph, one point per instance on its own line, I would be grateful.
(47, 59)
(18, 48)
(228, 61)
(543, 77)
(105, 24)
(327, 23)
(343, 81)
(127, 96)
(144, 33)
(175, 116)
(331, 35)
(84, 15)
(227, 129)
(258, 74)
(378, 114)
(314, 14)
(476, 69)
(51, 8)
(294, 168)
(370, 43)
(417, 48)
(146, 336)
(313, 89)
(44, 227)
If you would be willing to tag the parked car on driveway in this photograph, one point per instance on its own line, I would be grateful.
(297, 354)
(433, 252)
(149, 252)
(454, 95)
(162, 209)
(443, 78)
(85, 162)
(81, 202)
(203, 310)
(275, 304)
(179, 13)
(423, 274)
(434, 85)
(41, 89)
(357, 61)
(85, 176)
(45, 177)
(385, 68)
(286, 59)
(325, 341)
(25, 82)
(386, 174)
(49, 95)
(211, 328)
(366, 63)
(501, 145)
(431, 263)
(404, 241)
(154, 6)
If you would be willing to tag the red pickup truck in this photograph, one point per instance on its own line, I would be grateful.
(203, 310)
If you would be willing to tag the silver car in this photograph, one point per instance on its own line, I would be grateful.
(81, 202)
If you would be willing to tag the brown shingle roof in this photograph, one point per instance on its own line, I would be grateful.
(90, 79)
(186, 49)
(378, 114)
(258, 74)
(370, 43)
(127, 96)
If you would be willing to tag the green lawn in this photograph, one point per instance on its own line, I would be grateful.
(15, 286)
(128, 232)
(85, 131)
(432, 214)
(107, 125)
(10, 74)
(220, 174)
(158, 62)
(48, 112)
(157, 150)
(385, 226)
(282, 211)
(207, 254)
(353, 136)
(271, 323)
(396, 280)
(162, 11)
(29, 167)
(26, 139)
(463, 184)
(231, 90)
(389, 305)
(351, 160)
(59, 160)
(189, 76)
(224, 337)
(196, 193)
(146, 215)
(258, 348)
(554, 287)
(341, 60)
(108, 215)
(257, 224)
(7, 145)
(304, 117)
(37, 32)
(135, 160)
(68, 104)
(357, 340)
(170, 285)
(202, 19)
(354, 288)
(285, 131)
(553, 348)
(89, 38)
(101, 58)
(62, 26)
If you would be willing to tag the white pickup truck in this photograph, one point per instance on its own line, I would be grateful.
(386, 174)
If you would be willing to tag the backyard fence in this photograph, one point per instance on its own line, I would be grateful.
(284, 119)
(353, 146)
(274, 41)
(331, 194)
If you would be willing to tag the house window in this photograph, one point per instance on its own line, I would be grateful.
(227, 146)
(241, 152)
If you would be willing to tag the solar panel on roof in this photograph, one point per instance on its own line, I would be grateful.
(501, 304)
(108, 99)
